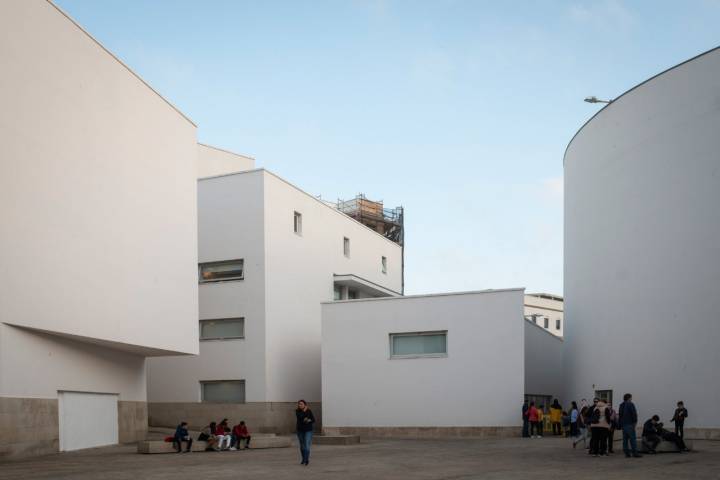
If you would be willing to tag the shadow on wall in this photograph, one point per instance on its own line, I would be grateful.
(261, 417)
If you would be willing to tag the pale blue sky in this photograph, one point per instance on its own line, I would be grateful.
(458, 110)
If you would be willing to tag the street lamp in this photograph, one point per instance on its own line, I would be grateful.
(594, 99)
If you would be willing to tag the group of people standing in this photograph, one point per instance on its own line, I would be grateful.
(219, 436)
(601, 420)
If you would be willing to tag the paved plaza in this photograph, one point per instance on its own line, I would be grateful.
(377, 459)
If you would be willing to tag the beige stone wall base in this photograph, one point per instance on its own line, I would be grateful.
(697, 433)
(29, 426)
(132, 421)
(261, 417)
(426, 432)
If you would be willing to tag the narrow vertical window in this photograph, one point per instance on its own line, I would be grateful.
(557, 324)
(384, 264)
(297, 223)
(346, 246)
(547, 322)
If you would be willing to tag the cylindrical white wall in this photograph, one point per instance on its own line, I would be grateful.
(642, 246)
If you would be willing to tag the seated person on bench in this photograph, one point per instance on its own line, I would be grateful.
(672, 437)
(240, 433)
(182, 435)
(650, 433)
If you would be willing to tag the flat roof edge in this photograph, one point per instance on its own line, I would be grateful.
(426, 295)
(582, 127)
(66, 15)
(226, 151)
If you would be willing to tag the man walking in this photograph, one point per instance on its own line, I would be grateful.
(628, 421)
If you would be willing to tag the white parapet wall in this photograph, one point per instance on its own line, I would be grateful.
(475, 388)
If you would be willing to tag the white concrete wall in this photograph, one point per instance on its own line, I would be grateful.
(479, 383)
(231, 226)
(543, 362)
(300, 272)
(38, 365)
(97, 192)
(642, 256)
(213, 161)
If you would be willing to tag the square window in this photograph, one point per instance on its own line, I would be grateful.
(384, 264)
(346, 246)
(223, 391)
(221, 271)
(222, 329)
(297, 223)
(418, 344)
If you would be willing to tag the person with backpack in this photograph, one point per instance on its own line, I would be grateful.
(556, 413)
(628, 421)
(678, 418)
(599, 425)
(582, 424)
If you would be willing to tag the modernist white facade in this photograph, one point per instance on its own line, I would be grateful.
(98, 246)
(427, 365)
(546, 311)
(292, 248)
(642, 255)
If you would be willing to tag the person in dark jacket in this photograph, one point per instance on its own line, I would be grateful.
(672, 437)
(526, 422)
(651, 434)
(628, 420)
(679, 417)
(182, 435)
(305, 421)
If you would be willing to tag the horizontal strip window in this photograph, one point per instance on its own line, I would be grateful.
(221, 271)
(223, 391)
(418, 344)
(222, 329)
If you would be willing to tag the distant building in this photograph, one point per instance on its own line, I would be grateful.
(269, 254)
(546, 311)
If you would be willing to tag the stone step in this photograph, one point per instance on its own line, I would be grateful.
(194, 433)
(663, 447)
(160, 446)
(336, 439)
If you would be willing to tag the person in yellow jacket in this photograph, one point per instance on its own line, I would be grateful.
(541, 420)
(556, 417)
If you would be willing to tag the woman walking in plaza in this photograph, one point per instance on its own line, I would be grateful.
(305, 421)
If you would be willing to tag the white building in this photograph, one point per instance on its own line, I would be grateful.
(546, 311)
(269, 255)
(642, 255)
(425, 365)
(98, 245)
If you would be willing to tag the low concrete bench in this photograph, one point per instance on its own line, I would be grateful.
(663, 447)
(336, 439)
(161, 446)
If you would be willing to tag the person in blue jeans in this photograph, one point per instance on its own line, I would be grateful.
(305, 421)
(628, 420)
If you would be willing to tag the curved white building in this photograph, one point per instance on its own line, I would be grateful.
(642, 247)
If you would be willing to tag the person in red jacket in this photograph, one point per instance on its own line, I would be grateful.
(239, 433)
(534, 419)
